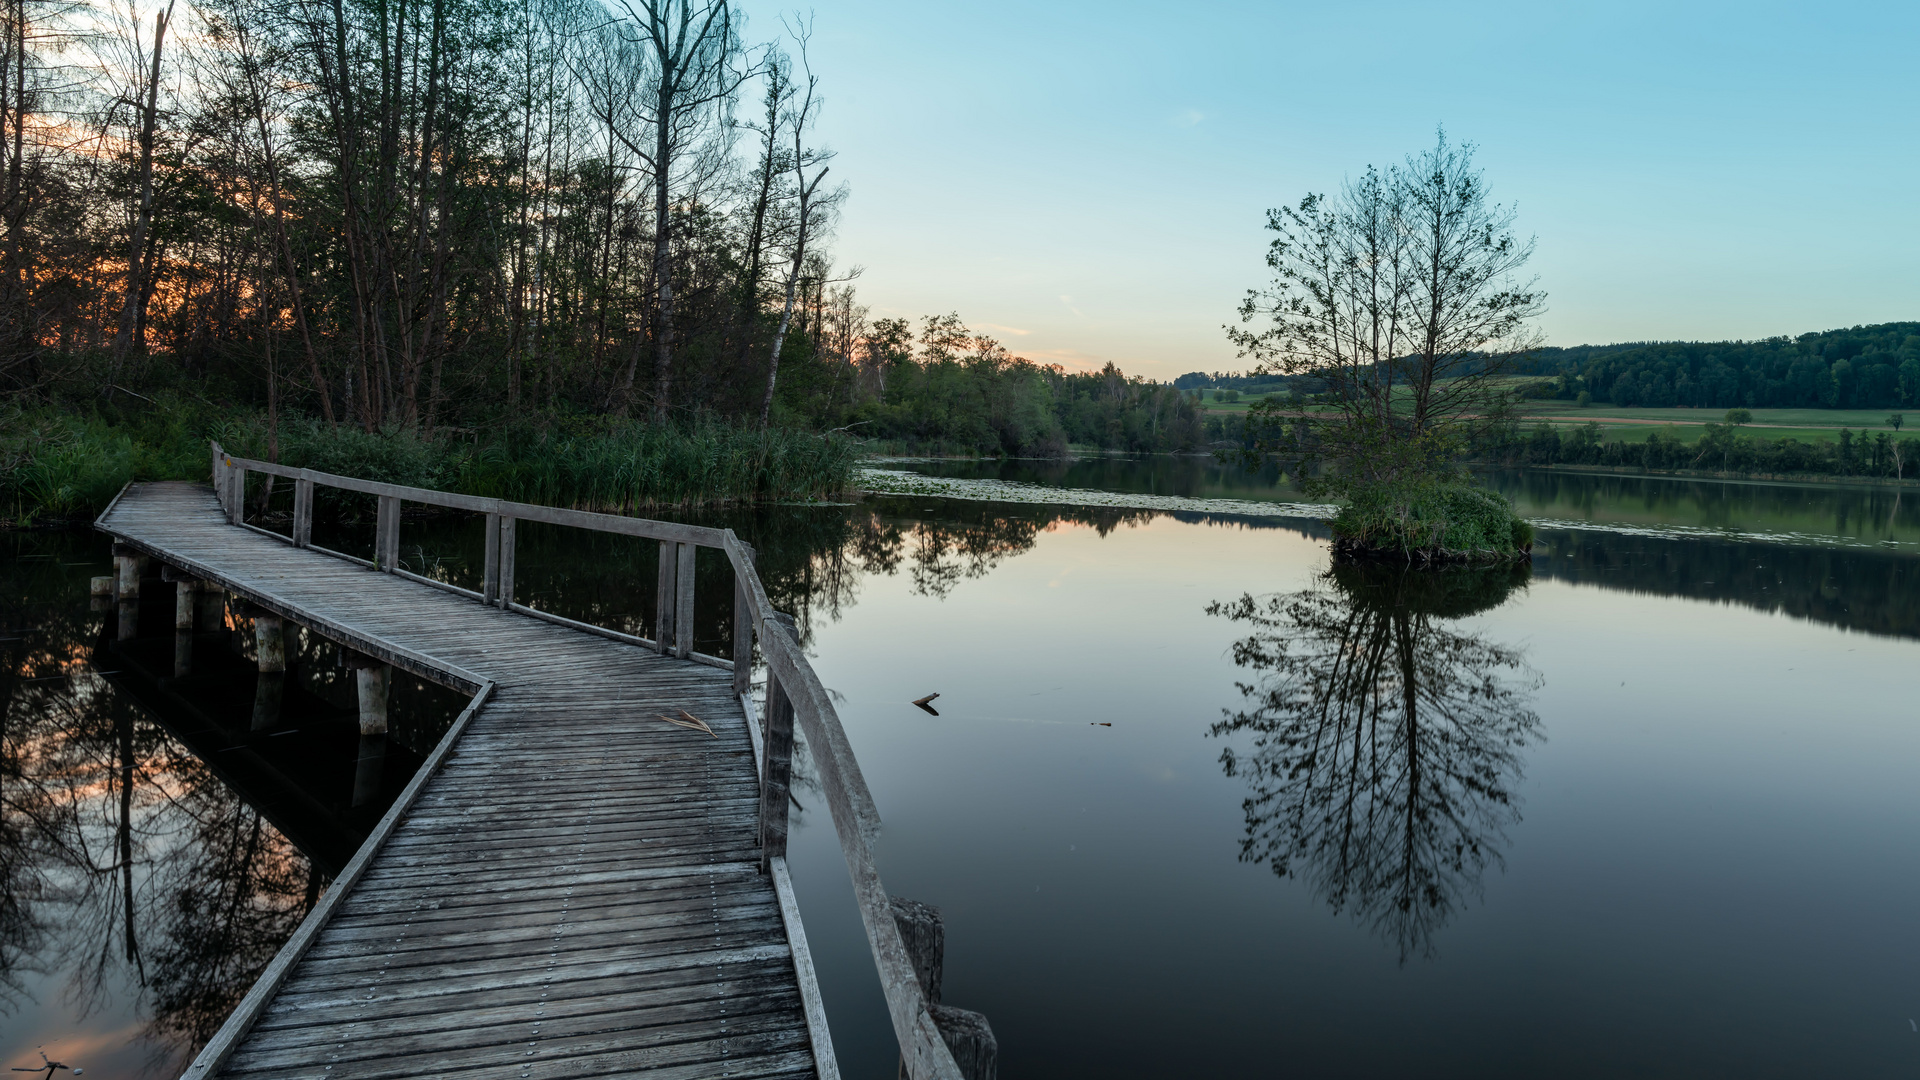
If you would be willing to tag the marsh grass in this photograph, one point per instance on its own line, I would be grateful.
(67, 465)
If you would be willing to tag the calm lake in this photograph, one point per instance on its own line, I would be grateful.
(1192, 802)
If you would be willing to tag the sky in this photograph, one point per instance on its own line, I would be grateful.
(1088, 182)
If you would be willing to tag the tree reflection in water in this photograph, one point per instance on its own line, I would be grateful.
(1385, 740)
(127, 868)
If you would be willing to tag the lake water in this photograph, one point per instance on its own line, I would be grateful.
(1649, 811)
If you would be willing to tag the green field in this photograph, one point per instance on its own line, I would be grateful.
(1634, 425)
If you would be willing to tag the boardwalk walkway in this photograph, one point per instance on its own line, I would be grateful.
(575, 891)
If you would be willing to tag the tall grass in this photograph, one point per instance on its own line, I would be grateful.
(632, 466)
(67, 466)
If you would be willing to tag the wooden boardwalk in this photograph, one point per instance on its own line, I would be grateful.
(575, 891)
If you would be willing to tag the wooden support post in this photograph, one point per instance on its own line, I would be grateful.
(971, 1040)
(490, 569)
(368, 768)
(213, 609)
(776, 774)
(372, 683)
(966, 1033)
(269, 688)
(504, 586)
(386, 534)
(925, 935)
(183, 598)
(742, 633)
(128, 567)
(127, 587)
(683, 603)
(270, 642)
(101, 593)
(302, 512)
(183, 601)
(663, 598)
(270, 649)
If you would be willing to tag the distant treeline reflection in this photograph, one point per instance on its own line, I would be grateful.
(813, 559)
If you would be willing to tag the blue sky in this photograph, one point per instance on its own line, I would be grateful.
(1088, 182)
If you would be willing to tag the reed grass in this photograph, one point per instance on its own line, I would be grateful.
(64, 466)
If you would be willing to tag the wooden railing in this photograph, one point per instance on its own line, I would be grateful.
(794, 693)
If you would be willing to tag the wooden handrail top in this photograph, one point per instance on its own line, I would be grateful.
(556, 515)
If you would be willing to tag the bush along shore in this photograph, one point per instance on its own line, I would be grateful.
(60, 466)
(1436, 523)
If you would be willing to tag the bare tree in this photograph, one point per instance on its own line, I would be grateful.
(1401, 294)
(138, 256)
(693, 49)
(809, 202)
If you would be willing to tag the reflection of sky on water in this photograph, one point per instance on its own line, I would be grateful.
(1717, 777)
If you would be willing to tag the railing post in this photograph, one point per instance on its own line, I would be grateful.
(683, 603)
(490, 569)
(742, 628)
(302, 512)
(664, 598)
(503, 587)
(220, 478)
(386, 534)
(776, 738)
(237, 495)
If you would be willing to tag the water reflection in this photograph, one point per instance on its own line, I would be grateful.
(1385, 740)
(140, 895)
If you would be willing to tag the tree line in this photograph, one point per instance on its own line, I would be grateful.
(1721, 448)
(434, 216)
(1865, 367)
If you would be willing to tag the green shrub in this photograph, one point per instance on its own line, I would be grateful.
(1431, 521)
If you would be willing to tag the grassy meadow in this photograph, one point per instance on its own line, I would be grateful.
(1634, 425)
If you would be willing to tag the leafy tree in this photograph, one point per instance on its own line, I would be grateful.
(1402, 296)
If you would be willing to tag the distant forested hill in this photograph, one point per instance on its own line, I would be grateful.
(1865, 367)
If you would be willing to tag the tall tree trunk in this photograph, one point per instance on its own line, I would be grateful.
(143, 219)
(662, 260)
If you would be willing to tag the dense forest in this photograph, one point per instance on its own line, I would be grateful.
(1866, 367)
(486, 223)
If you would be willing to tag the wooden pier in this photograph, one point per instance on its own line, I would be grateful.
(571, 885)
